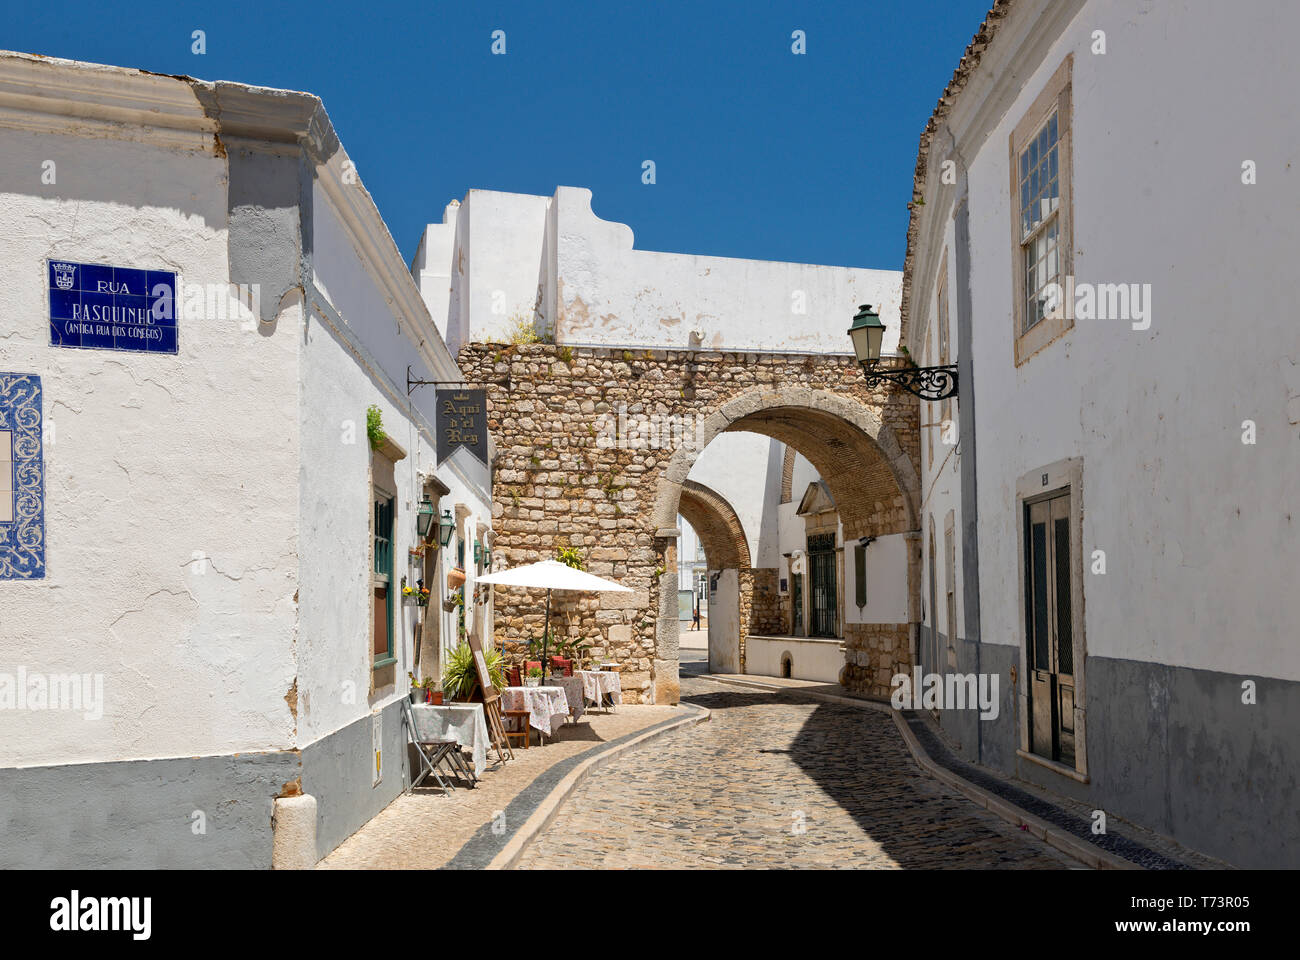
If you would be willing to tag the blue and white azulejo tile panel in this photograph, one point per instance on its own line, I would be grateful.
(22, 478)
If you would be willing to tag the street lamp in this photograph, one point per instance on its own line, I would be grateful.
(424, 518)
(928, 383)
(446, 524)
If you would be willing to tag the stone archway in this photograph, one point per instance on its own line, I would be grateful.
(872, 479)
(592, 448)
(726, 551)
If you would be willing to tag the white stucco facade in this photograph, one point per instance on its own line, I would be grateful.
(500, 257)
(207, 514)
(1172, 428)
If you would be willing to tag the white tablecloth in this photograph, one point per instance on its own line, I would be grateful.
(572, 687)
(548, 707)
(462, 722)
(597, 683)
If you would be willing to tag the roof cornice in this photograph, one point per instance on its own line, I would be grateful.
(51, 95)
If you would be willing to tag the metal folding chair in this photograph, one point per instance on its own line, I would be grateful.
(433, 753)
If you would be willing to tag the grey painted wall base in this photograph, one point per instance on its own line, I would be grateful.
(140, 814)
(336, 770)
(1172, 749)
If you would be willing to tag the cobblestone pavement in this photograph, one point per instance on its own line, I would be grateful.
(777, 782)
(425, 829)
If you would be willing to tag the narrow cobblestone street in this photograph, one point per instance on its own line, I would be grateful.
(788, 782)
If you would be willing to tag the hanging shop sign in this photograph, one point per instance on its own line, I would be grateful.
(461, 421)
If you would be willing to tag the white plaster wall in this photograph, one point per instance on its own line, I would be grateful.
(612, 295)
(810, 658)
(886, 581)
(736, 467)
(150, 458)
(434, 264)
(516, 252)
(1197, 528)
(724, 621)
(496, 269)
(345, 370)
(941, 475)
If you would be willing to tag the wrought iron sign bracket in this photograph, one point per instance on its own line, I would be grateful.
(412, 383)
(928, 383)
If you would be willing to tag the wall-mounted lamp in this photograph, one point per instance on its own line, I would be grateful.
(928, 383)
(424, 518)
(446, 525)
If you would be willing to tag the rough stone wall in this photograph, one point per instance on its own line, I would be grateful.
(873, 654)
(765, 608)
(587, 451)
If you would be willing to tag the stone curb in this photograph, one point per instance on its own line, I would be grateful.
(549, 806)
(1050, 834)
(1067, 843)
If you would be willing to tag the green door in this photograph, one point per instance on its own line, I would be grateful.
(823, 617)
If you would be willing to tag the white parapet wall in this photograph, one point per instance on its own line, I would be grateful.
(811, 658)
(499, 257)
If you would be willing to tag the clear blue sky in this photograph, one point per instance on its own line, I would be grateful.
(759, 153)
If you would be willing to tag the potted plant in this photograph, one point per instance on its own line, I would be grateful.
(534, 677)
(417, 693)
(432, 692)
(460, 676)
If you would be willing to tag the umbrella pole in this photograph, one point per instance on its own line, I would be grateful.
(546, 637)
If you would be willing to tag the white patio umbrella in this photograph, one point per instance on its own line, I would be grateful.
(552, 575)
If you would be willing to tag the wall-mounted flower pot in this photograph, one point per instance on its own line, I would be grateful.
(455, 578)
(449, 605)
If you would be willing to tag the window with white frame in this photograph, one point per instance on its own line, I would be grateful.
(1042, 216)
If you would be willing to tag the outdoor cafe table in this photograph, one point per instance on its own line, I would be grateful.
(548, 707)
(596, 684)
(462, 722)
(572, 687)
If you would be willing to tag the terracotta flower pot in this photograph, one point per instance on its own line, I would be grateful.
(455, 578)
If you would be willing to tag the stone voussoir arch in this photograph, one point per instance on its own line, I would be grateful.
(717, 525)
(592, 448)
(738, 411)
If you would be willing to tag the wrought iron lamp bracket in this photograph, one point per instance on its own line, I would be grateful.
(928, 383)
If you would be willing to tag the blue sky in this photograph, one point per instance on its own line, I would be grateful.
(758, 152)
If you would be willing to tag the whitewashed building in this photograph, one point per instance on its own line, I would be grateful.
(1106, 203)
(201, 551)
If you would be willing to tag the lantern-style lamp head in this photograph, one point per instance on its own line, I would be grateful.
(867, 333)
(424, 518)
(446, 524)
